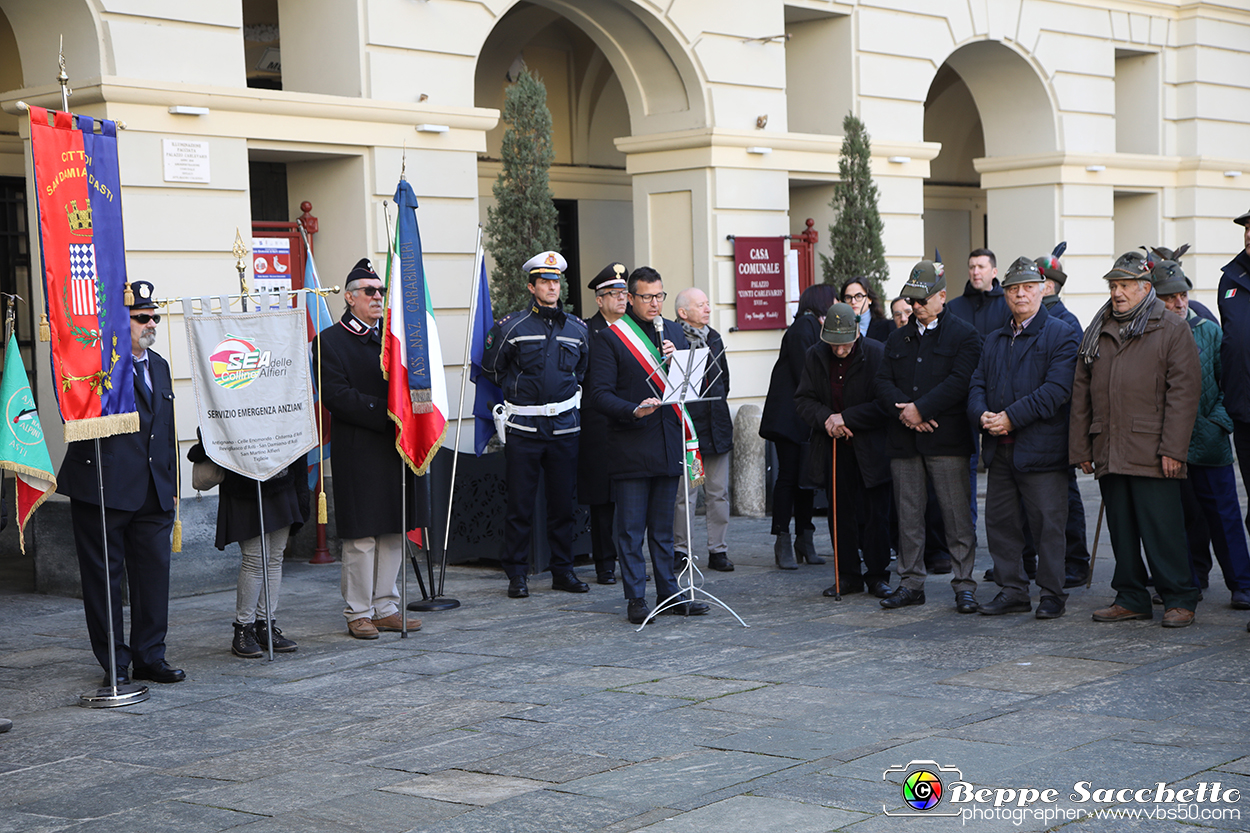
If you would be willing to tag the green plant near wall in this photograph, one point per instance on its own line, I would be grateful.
(855, 236)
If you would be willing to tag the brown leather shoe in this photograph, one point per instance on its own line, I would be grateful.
(393, 623)
(1177, 617)
(362, 628)
(1116, 613)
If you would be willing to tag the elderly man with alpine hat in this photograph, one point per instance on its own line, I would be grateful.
(594, 486)
(1210, 491)
(1019, 399)
(1134, 402)
(368, 510)
(835, 397)
(538, 357)
(924, 381)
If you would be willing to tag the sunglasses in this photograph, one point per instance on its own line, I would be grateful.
(144, 318)
(369, 290)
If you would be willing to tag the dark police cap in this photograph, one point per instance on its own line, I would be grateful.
(1049, 265)
(1128, 266)
(610, 276)
(841, 325)
(927, 279)
(144, 294)
(362, 271)
(1023, 270)
(1169, 278)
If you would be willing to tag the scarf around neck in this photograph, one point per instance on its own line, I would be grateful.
(1132, 324)
(697, 336)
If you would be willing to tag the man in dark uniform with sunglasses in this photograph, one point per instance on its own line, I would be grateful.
(140, 492)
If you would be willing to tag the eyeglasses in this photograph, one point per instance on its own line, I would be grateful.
(616, 294)
(857, 297)
(919, 302)
(369, 290)
(144, 318)
(651, 299)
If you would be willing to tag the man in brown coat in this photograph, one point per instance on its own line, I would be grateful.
(1134, 402)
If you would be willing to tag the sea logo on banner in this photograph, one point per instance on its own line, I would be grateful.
(237, 363)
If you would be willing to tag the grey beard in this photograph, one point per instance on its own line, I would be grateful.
(147, 340)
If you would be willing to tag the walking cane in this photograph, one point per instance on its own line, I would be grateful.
(1102, 504)
(833, 508)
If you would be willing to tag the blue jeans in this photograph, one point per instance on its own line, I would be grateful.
(644, 507)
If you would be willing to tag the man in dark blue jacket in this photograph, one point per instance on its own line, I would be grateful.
(1234, 304)
(538, 357)
(924, 383)
(646, 441)
(140, 489)
(1019, 398)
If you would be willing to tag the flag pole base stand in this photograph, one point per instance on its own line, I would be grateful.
(429, 605)
(321, 557)
(110, 697)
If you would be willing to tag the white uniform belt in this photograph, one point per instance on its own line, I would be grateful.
(549, 410)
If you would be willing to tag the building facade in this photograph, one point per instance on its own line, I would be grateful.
(678, 124)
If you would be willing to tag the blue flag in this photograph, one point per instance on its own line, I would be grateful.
(318, 319)
(486, 393)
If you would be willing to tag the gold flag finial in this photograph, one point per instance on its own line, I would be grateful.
(240, 251)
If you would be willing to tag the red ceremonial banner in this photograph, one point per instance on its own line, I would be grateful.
(760, 277)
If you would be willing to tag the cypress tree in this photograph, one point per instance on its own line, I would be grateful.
(855, 236)
(522, 222)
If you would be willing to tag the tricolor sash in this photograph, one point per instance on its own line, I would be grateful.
(78, 199)
(649, 359)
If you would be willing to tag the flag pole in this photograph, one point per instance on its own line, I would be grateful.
(321, 552)
(464, 380)
(403, 467)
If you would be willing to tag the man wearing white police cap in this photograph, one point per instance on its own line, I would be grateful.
(538, 356)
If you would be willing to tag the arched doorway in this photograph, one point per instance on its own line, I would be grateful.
(611, 70)
(986, 100)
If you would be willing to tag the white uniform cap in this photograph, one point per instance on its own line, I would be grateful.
(552, 263)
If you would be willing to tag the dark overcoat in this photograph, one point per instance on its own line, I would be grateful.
(986, 310)
(860, 410)
(364, 462)
(616, 383)
(780, 420)
(1234, 301)
(933, 372)
(594, 486)
(128, 459)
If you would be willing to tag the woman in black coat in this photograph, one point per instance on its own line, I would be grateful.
(285, 498)
(873, 324)
(782, 426)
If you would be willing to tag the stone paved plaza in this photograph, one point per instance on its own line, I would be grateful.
(553, 714)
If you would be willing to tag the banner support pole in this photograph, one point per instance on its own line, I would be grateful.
(111, 695)
(264, 568)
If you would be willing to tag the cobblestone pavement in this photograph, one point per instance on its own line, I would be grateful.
(552, 714)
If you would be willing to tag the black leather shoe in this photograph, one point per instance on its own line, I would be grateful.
(880, 589)
(720, 562)
(569, 583)
(638, 611)
(123, 678)
(518, 588)
(1001, 604)
(1075, 578)
(966, 601)
(162, 672)
(605, 578)
(1049, 608)
(903, 597)
(685, 609)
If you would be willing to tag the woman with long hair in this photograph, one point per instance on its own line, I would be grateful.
(781, 425)
(858, 292)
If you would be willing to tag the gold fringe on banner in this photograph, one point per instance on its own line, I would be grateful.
(323, 513)
(176, 543)
(128, 297)
(45, 329)
(105, 426)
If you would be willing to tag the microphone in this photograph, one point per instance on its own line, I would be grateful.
(658, 321)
